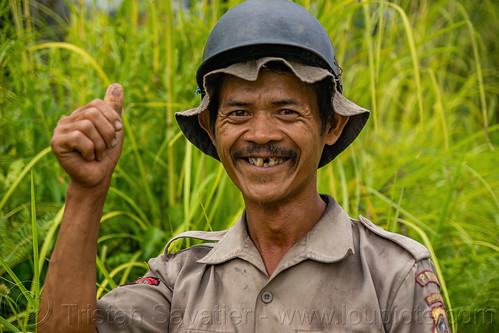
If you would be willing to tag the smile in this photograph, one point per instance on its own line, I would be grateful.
(265, 156)
(266, 162)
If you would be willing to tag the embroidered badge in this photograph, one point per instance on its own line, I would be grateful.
(426, 277)
(152, 281)
(434, 298)
(440, 320)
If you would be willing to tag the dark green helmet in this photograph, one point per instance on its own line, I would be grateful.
(261, 28)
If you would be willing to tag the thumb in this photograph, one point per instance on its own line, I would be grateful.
(114, 97)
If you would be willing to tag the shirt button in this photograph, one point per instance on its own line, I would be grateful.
(267, 297)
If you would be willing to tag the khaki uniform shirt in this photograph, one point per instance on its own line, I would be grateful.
(345, 275)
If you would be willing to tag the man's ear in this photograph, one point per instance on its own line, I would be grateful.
(204, 122)
(334, 128)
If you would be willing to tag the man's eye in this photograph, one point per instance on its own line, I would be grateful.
(287, 112)
(238, 113)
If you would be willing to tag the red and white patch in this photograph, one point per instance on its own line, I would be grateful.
(152, 281)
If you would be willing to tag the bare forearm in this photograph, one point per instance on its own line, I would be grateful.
(69, 296)
(88, 145)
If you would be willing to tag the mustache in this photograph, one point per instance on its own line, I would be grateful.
(267, 149)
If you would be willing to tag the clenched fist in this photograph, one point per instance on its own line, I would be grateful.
(88, 142)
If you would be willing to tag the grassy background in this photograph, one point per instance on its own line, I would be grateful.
(425, 166)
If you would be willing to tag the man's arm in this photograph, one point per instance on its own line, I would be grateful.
(88, 145)
(418, 305)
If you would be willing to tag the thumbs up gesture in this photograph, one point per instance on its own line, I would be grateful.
(88, 142)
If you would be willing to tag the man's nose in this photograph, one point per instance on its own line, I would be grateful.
(263, 129)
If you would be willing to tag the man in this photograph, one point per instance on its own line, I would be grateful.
(272, 112)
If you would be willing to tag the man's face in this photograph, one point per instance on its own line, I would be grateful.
(268, 135)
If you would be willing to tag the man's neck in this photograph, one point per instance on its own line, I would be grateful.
(276, 227)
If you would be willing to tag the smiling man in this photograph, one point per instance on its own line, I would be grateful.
(272, 112)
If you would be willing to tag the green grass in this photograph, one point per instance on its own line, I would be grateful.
(425, 166)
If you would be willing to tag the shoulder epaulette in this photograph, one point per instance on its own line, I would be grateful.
(209, 236)
(417, 250)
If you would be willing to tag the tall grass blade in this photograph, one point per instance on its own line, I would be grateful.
(34, 229)
(438, 270)
(26, 169)
(131, 202)
(484, 183)
(415, 62)
(170, 67)
(50, 237)
(440, 109)
(395, 205)
(7, 325)
(479, 73)
(141, 223)
(18, 283)
(126, 267)
(450, 194)
(187, 184)
(103, 271)
(143, 174)
(84, 54)
(371, 59)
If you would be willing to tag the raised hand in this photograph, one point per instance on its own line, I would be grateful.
(88, 142)
(88, 145)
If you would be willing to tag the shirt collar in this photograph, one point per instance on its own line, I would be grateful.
(330, 240)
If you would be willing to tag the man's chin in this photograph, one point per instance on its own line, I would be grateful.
(264, 193)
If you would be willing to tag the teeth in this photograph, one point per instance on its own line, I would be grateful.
(265, 162)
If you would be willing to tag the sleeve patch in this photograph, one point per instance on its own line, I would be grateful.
(152, 281)
(434, 298)
(439, 316)
(426, 277)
